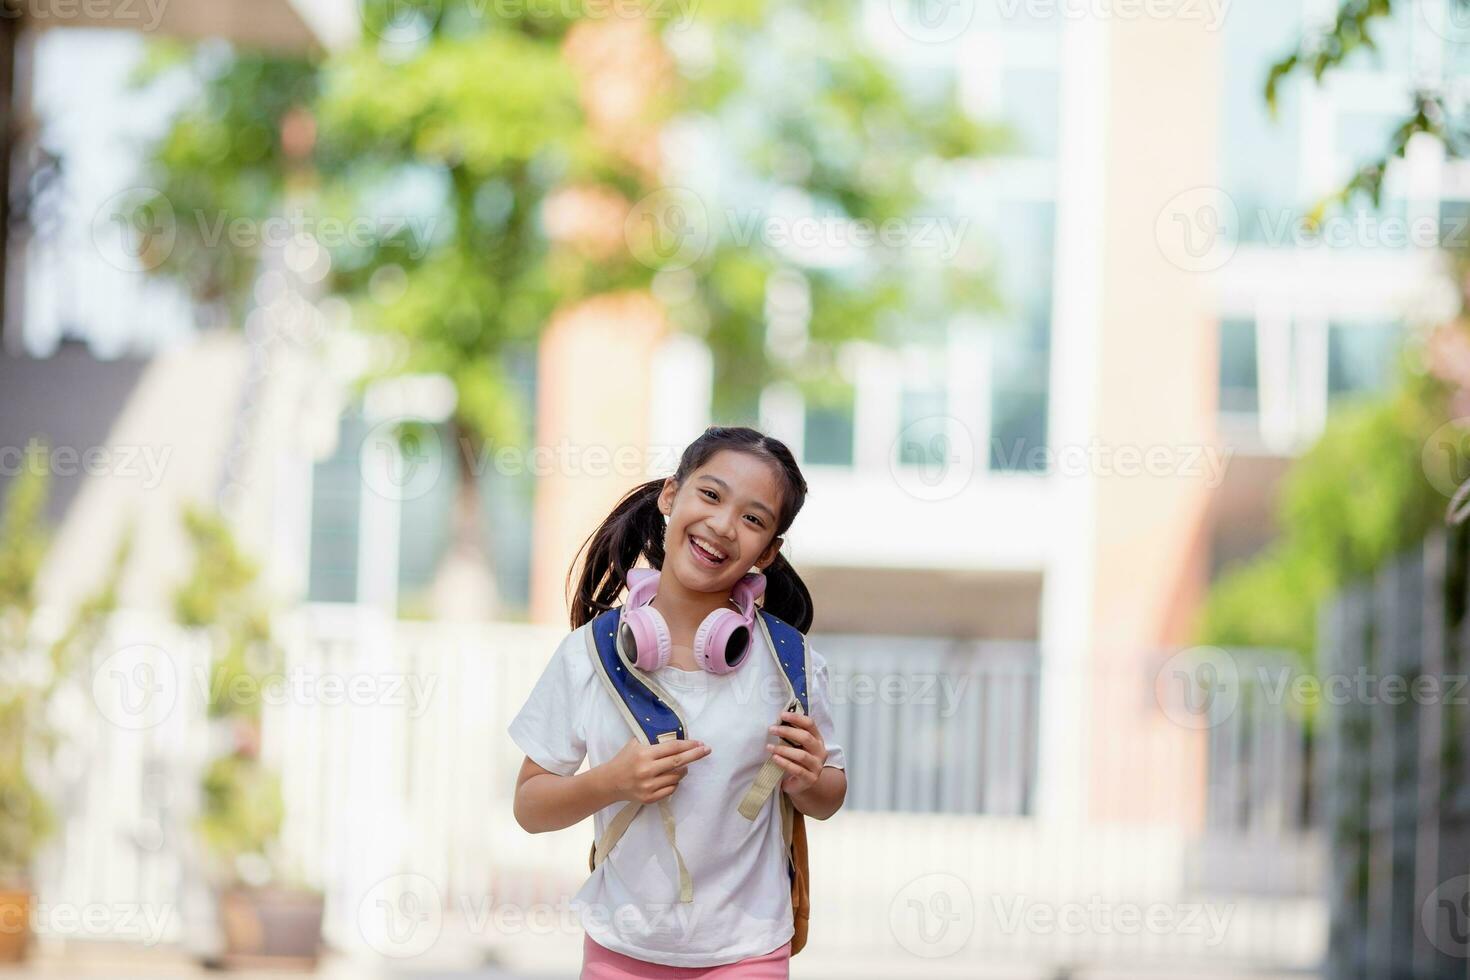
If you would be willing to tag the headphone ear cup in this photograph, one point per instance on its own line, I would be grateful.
(643, 638)
(722, 641)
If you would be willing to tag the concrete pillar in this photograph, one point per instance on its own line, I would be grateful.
(595, 389)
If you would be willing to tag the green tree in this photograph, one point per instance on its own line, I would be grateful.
(1380, 475)
(528, 148)
(240, 817)
(31, 673)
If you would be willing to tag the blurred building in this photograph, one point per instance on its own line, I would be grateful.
(1040, 498)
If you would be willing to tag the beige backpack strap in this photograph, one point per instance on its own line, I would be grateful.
(770, 773)
(615, 831)
(624, 819)
(765, 783)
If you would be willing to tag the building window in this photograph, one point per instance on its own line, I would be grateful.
(925, 429)
(828, 430)
(1255, 36)
(336, 496)
(1239, 386)
(1030, 98)
(1360, 357)
(425, 515)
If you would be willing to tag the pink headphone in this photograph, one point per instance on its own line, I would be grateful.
(720, 643)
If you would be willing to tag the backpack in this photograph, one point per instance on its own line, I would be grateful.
(651, 715)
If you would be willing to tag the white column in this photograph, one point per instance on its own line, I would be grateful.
(679, 407)
(877, 406)
(1274, 376)
(1310, 349)
(968, 385)
(783, 415)
(1077, 296)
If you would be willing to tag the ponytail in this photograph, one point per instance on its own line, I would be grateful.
(635, 528)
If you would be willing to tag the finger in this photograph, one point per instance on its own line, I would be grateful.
(803, 721)
(683, 758)
(798, 735)
(667, 779)
(798, 757)
(673, 747)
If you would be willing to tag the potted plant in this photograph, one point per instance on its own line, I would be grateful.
(266, 914)
(30, 673)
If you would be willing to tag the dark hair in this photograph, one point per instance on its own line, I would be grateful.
(636, 528)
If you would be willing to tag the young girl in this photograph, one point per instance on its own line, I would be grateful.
(721, 515)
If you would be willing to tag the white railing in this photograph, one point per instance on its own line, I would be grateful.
(400, 780)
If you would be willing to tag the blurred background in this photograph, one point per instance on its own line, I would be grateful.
(1121, 342)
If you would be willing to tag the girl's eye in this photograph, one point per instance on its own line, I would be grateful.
(714, 496)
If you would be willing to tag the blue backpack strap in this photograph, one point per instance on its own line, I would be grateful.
(788, 646)
(643, 703)
(649, 712)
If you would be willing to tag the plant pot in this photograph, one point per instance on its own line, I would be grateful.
(270, 927)
(15, 923)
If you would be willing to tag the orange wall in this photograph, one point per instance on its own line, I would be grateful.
(1162, 139)
(593, 395)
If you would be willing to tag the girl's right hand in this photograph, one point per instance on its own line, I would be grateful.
(648, 773)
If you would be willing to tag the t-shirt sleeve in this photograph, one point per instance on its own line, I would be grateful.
(819, 701)
(551, 726)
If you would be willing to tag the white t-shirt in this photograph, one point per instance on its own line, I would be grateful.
(742, 892)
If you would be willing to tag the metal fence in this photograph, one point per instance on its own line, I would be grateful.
(1396, 802)
(935, 726)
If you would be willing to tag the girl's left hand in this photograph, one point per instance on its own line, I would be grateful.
(803, 762)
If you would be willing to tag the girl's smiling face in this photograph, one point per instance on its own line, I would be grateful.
(729, 506)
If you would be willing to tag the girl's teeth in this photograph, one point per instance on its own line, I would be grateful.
(706, 552)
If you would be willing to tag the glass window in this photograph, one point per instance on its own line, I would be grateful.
(1363, 138)
(424, 520)
(1023, 231)
(924, 429)
(1018, 399)
(1030, 100)
(1360, 357)
(828, 431)
(1452, 23)
(1018, 431)
(1454, 224)
(1261, 160)
(1392, 36)
(1239, 387)
(336, 492)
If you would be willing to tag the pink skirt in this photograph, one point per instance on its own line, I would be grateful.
(601, 963)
